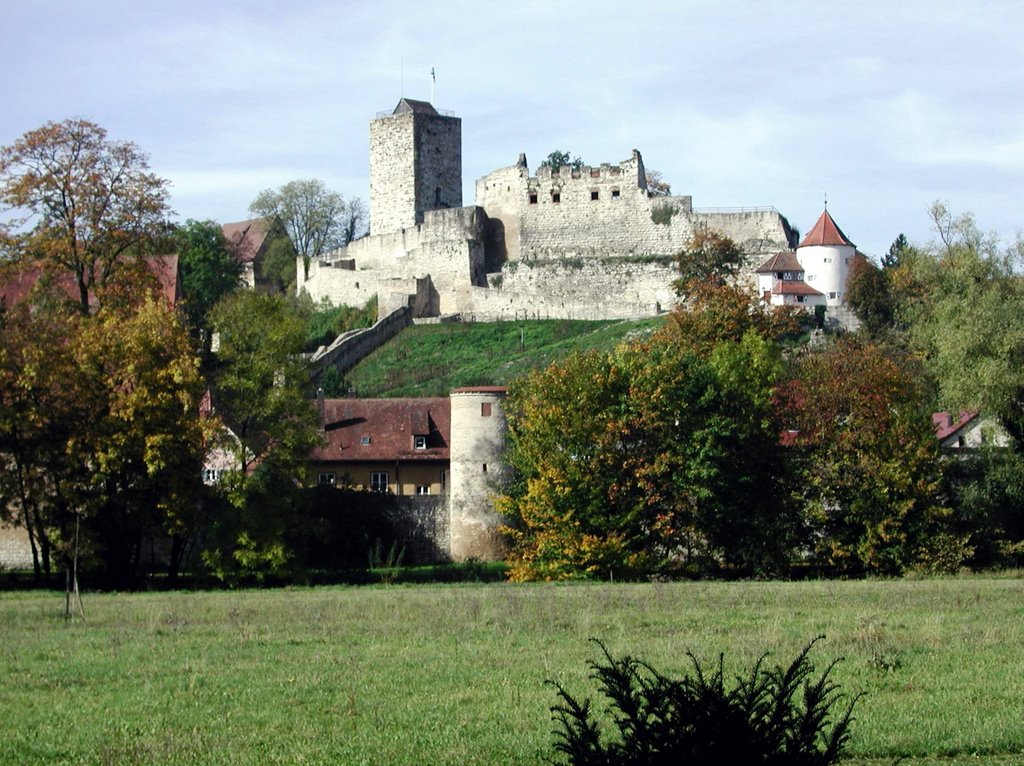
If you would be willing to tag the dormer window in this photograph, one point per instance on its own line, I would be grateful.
(364, 440)
(419, 442)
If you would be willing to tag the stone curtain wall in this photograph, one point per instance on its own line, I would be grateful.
(349, 349)
(574, 288)
(421, 525)
(15, 549)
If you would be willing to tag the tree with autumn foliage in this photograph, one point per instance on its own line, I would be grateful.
(709, 257)
(78, 205)
(100, 426)
(659, 457)
(868, 463)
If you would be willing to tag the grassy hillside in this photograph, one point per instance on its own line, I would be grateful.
(455, 674)
(430, 360)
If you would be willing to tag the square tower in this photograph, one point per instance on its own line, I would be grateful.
(415, 165)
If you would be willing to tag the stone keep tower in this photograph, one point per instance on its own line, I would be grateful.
(477, 473)
(415, 165)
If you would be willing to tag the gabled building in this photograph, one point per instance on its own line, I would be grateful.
(249, 241)
(398, 446)
(815, 273)
(968, 430)
(441, 457)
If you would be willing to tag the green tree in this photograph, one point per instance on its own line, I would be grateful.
(557, 159)
(79, 204)
(209, 270)
(963, 300)
(868, 295)
(315, 218)
(258, 389)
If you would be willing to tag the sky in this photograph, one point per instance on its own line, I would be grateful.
(882, 108)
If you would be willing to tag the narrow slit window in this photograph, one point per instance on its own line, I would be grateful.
(595, 195)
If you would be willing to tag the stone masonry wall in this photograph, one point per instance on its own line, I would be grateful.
(15, 549)
(415, 166)
(573, 289)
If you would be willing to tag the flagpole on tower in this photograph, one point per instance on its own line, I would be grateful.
(433, 79)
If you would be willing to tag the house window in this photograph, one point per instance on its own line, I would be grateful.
(419, 442)
(810, 277)
(556, 197)
(212, 475)
(533, 198)
(422, 489)
(485, 467)
(831, 296)
(615, 193)
(379, 481)
(485, 409)
(800, 298)
(326, 479)
(595, 195)
(364, 440)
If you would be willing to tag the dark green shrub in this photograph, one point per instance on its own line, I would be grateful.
(779, 716)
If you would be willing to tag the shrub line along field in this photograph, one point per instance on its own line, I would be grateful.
(455, 674)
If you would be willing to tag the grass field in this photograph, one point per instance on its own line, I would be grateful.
(455, 674)
(430, 360)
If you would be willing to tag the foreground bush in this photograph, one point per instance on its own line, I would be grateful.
(779, 716)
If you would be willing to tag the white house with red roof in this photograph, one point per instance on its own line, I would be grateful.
(815, 273)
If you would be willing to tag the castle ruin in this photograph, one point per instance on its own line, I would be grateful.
(571, 243)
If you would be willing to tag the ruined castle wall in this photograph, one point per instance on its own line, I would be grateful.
(759, 232)
(448, 246)
(572, 289)
(589, 212)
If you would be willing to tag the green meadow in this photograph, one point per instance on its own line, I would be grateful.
(455, 674)
(432, 359)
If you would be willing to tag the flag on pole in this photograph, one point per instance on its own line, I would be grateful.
(433, 78)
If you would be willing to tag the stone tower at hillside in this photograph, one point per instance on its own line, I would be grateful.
(415, 165)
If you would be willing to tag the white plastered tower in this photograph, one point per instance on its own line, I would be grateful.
(827, 256)
(478, 472)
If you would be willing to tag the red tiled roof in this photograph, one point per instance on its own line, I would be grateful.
(481, 390)
(793, 287)
(360, 430)
(784, 261)
(16, 283)
(945, 426)
(825, 232)
(247, 237)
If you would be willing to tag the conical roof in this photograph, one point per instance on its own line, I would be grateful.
(825, 232)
